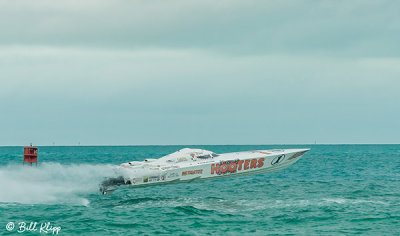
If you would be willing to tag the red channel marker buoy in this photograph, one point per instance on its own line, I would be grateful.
(30, 155)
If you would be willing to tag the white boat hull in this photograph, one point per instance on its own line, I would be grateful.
(184, 166)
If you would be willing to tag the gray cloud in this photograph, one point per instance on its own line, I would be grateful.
(357, 28)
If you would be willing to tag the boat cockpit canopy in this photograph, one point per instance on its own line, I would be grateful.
(187, 154)
(212, 155)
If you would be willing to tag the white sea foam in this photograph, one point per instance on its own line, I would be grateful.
(352, 201)
(51, 183)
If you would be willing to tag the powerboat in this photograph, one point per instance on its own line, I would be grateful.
(190, 165)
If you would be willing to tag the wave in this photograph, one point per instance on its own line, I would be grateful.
(51, 183)
(244, 206)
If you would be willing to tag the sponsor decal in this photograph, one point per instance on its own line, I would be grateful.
(173, 175)
(267, 153)
(169, 167)
(154, 179)
(151, 179)
(297, 155)
(192, 172)
(228, 167)
(277, 160)
(179, 159)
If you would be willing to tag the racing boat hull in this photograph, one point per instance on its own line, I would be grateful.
(193, 165)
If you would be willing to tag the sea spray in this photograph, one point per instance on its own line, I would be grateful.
(51, 183)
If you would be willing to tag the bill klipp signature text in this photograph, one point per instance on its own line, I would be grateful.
(42, 228)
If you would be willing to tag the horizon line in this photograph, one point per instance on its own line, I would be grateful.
(143, 145)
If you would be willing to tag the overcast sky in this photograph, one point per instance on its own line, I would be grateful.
(199, 72)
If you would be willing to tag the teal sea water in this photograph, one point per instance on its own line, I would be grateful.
(332, 190)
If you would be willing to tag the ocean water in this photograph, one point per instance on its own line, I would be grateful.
(332, 190)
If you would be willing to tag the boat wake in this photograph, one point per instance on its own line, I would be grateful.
(51, 183)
